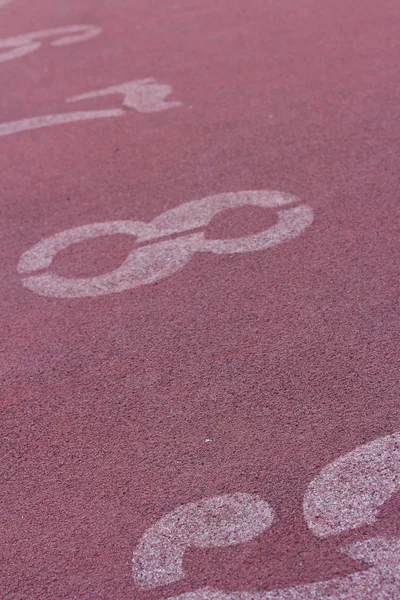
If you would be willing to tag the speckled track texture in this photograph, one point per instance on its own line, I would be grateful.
(219, 418)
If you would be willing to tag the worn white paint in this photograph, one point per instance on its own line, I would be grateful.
(29, 42)
(42, 255)
(199, 213)
(149, 263)
(213, 522)
(349, 492)
(379, 582)
(144, 95)
(143, 266)
(61, 119)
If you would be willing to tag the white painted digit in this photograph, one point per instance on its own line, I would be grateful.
(61, 119)
(156, 261)
(29, 42)
(213, 522)
(140, 95)
(144, 95)
(349, 492)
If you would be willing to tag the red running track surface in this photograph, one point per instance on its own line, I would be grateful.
(233, 426)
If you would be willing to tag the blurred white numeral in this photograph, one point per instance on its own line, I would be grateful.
(143, 95)
(20, 45)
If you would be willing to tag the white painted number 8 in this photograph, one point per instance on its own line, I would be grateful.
(152, 262)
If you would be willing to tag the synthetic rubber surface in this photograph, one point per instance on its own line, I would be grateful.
(199, 300)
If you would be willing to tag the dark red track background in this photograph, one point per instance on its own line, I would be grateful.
(286, 358)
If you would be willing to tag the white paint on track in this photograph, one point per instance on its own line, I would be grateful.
(144, 95)
(153, 262)
(380, 582)
(61, 119)
(213, 522)
(20, 45)
(349, 492)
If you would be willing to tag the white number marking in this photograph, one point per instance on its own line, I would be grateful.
(348, 493)
(25, 44)
(61, 119)
(220, 521)
(150, 263)
(143, 95)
